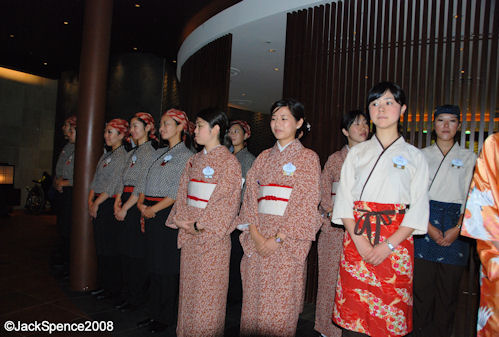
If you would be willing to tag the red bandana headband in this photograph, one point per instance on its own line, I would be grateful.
(244, 125)
(180, 117)
(119, 124)
(147, 118)
(71, 121)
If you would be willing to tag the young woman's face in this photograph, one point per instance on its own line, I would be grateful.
(138, 130)
(169, 128)
(237, 135)
(358, 131)
(284, 124)
(446, 126)
(72, 135)
(112, 137)
(65, 129)
(385, 112)
(204, 134)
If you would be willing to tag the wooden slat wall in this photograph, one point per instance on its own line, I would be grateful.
(206, 76)
(439, 51)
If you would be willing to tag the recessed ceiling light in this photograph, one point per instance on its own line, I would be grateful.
(134, 48)
(174, 61)
(45, 63)
(11, 35)
(66, 22)
(467, 132)
(137, 5)
(276, 69)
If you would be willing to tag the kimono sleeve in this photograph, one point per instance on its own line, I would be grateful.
(481, 218)
(301, 221)
(419, 212)
(343, 203)
(327, 177)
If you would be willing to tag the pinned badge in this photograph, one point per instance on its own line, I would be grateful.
(134, 160)
(288, 169)
(106, 162)
(399, 162)
(457, 163)
(70, 159)
(208, 172)
(166, 159)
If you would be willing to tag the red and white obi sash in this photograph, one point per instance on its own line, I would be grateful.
(199, 193)
(273, 199)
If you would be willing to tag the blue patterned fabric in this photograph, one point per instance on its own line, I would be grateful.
(443, 215)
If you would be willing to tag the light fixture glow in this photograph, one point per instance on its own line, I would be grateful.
(467, 132)
(45, 63)
(134, 48)
(174, 61)
(137, 5)
(276, 69)
(11, 35)
(66, 22)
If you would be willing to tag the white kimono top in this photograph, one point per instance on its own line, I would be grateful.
(450, 175)
(400, 176)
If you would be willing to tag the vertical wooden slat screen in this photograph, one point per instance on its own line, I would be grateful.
(439, 51)
(206, 77)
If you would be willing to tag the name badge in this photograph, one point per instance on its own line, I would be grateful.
(458, 163)
(106, 162)
(134, 160)
(399, 162)
(208, 172)
(288, 169)
(166, 159)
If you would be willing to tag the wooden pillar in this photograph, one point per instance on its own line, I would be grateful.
(91, 112)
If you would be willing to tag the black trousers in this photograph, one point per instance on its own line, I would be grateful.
(163, 298)
(436, 291)
(235, 292)
(135, 280)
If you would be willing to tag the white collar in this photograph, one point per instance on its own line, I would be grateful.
(282, 148)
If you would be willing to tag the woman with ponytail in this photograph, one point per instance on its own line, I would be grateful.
(207, 203)
(132, 240)
(155, 202)
(100, 208)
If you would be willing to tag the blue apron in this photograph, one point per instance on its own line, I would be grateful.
(443, 215)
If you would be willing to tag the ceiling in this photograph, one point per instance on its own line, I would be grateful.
(43, 37)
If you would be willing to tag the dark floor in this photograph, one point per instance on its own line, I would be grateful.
(31, 290)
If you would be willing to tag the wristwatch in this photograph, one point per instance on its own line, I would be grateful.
(278, 239)
(388, 243)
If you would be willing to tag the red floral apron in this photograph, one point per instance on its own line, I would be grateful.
(375, 300)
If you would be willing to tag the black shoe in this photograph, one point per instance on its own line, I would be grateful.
(97, 292)
(121, 304)
(157, 327)
(146, 322)
(128, 307)
(103, 296)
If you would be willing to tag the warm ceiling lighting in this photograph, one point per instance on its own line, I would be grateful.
(276, 69)
(174, 61)
(134, 48)
(66, 22)
(45, 63)
(11, 35)
(137, 5)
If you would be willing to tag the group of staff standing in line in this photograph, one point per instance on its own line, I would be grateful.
(165, 220)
